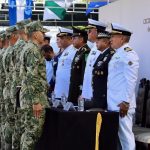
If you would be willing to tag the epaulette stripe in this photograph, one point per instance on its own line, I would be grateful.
(127, 49)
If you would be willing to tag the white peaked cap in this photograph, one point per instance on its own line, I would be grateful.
(119, 29)
(97, 24)
(65, 30)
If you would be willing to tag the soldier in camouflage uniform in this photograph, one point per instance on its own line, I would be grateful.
(2, 83)
(33, 97)
(9, 108)
(16, 83)
(1, 87)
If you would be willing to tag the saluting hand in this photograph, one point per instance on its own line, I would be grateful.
(124, 107)
(37, 109)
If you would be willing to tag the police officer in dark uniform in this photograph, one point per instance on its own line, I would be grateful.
(100, 70)
(79, 62)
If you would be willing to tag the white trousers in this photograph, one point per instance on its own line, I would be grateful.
(125, 133)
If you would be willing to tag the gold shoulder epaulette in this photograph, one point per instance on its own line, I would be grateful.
(112, 51)
(127, 49)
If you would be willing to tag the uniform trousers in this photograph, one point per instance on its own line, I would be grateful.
(125, 133)
(32, 129)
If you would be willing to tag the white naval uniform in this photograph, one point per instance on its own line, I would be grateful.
(87, 92)
(63, 72)
(91, 45)
(122, 78)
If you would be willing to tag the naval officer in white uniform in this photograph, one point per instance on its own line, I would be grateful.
(122, 78)
(64, 63)
(94, 27)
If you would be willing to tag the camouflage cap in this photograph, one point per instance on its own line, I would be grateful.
(10, 30)
(35, 26)
(21, 24)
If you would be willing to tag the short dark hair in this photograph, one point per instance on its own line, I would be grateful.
(47, 48)
(47, 38)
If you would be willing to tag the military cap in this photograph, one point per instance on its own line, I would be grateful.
(79, 31)
(35, 26)
(21, 24)
(10, 30)
(4, 35)
(118, 29)
(103, 34)
(64, 32)
(100, 26)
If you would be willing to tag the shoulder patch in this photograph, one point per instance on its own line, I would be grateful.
(127, 49)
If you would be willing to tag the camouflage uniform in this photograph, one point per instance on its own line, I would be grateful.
(9, 107)
(16, 82)
(2, 81)
(33, 90)
(6, 94)
(18, 50)
(2, 106)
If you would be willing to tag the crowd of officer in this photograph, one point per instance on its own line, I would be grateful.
(93, 63)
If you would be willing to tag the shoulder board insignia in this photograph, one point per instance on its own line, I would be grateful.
(127, 49)
(112, 52)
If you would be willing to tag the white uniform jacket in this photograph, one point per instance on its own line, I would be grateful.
(87, 92)
(63, 72)
(122, 78)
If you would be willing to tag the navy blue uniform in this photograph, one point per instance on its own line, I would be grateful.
(99, 79)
